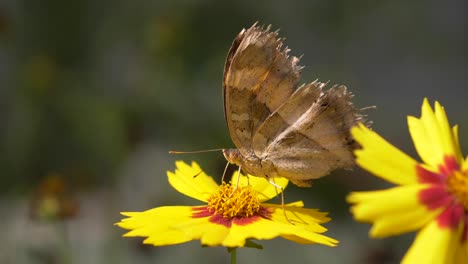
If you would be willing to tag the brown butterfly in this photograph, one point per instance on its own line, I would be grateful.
(282, 129)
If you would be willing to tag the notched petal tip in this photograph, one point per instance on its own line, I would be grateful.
(381, 158)
(192, 181)
(432, 135)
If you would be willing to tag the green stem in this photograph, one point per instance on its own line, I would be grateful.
(234, 256)
(64, 243)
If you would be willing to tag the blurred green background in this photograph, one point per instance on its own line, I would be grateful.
(94, 93)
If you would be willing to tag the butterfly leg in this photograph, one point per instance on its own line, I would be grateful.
(282, 199)
(238, 176)
(224, 173)
(237, 182)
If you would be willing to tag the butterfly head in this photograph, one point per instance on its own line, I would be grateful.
(233, 156)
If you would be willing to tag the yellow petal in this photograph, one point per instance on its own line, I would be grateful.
(178, 224)
(262, 187)
(173, 225)
(382, 159)
(461, 253)
(192, 181)
(209, 234)
(393, 211)
(156, 225)
(432, 135)
(449, 135)
(299, 215)
(434, 245)
(464, 166)
(302, 218)
(305, 230)
(457, 143)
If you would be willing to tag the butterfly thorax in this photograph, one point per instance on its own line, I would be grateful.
(249, 163)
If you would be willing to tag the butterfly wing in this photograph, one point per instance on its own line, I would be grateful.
(311, 134)
(258, 77)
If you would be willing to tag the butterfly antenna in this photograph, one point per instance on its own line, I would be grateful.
(225, 170)
(194, 151)
(368, 107)
(272, 182)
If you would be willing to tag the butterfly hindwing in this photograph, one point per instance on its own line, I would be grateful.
(311, 134)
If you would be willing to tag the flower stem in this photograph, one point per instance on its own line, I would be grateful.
(233, 256)
(64, 248)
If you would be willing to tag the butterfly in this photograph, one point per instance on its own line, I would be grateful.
(281, 128)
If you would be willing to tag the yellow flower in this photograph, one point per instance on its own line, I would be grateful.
(230, 216)
(432, 196)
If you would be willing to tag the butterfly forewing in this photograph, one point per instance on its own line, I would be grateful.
(280, 129)
(259, 77)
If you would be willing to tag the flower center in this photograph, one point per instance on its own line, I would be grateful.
(457, 184)
(231, 202)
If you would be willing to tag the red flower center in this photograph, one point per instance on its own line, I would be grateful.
(448, 189)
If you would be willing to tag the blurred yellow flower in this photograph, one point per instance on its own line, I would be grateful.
(432, 196)
(231, 216)
(53, 199)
